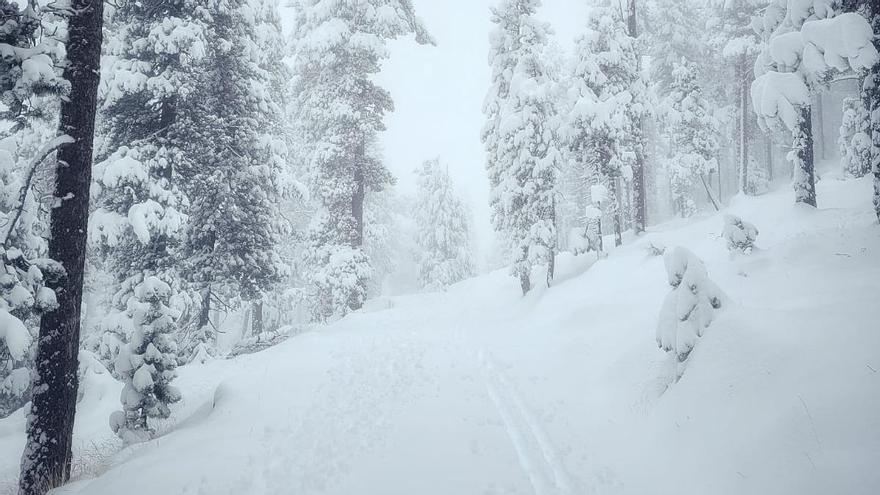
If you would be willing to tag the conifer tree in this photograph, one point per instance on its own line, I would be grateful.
(520, 137)
(147, 363)
(443, 230)
(338, 48)
(693, 133)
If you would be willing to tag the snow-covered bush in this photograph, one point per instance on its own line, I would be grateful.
(147, 363)
(855, 138)
(690, 307)
(740, 235)
(22, 296)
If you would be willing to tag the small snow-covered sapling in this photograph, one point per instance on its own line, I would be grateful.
(691, 306)
(739, 234)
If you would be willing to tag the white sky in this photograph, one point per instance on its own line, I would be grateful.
(438, 93)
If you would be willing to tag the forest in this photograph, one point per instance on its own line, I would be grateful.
(549, 247)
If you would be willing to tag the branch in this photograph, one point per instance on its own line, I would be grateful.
(47, 150)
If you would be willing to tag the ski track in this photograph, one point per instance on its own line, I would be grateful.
(536, 454)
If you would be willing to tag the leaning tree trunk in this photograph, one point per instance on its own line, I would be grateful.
(639, 196)
(46, 459)
(804, 168)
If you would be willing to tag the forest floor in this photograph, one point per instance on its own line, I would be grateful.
(481, 391)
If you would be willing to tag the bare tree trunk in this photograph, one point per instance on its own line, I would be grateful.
(639, 196)
(768, 149)
(257, 317)
(205, 310)
(804, 173)
(819, 119)
(744, 126)
(618, 231)
(46, 459)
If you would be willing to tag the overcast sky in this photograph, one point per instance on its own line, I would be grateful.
(439, 91)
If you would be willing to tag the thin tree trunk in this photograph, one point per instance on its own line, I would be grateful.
(639, 196)
(804, 178)
(768, 145)
(257, 318)
(46, 459)
(819, 118)
(205, 310)
(744, 127)
(618, 222)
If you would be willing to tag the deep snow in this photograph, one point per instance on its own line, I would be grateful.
(481, 391)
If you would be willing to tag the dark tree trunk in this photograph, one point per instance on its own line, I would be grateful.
(805, 178)
(46, 460)
(257, 318)
(357, 210)
(639, 196)
(819, 119)
(205, 310)
(525, 283)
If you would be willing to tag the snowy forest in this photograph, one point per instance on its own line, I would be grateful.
(379, 247)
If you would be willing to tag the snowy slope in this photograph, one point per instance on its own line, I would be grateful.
(480, 391)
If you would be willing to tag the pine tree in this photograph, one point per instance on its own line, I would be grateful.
(604, 127)
(855, 138)
(338, 48)
(147, 363)
(443, 230)
(155, 53)
(230, 175)
(47, 454)
(693, 133)
(520, 138)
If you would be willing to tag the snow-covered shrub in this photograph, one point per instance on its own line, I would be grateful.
(148, 364)
(690, 307)
(740, 235)
(22, 296)
(855, 139)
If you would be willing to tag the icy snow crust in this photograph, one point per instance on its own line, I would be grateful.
(480, 391)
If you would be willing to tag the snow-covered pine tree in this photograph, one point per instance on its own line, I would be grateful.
(739, 234)
(801, 53)
(739, 46)
(230, 175)
(520, 137)
(855, 138)
(154, 55)
(147, 363)
(443, 230)
(338, 47)
(603, 129)
(691, 306)
(693, 135)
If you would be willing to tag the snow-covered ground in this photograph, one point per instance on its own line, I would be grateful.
(564, 392)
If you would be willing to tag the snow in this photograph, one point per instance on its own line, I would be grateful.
(14, 335)
(843, 42)
(478, 390)
(778, 95)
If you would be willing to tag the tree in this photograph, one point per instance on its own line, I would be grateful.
(231, 175)
(855, 138)
(137, 229)
(147, 363)
(639, 182)
(801, 54)
(520, 138)
(47, 453)
(443, 230)
(338, 48)
(693, 134)
(691, 306)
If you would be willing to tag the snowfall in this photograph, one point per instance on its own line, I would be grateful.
(479, 390)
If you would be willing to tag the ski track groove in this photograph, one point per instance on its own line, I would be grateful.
(535, 452)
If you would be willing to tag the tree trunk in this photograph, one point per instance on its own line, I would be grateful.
(804, 173)
(205, 310)
(524, 282)
(744, 89)
(639, 195)
(768, 149)
(618, 231)
(257, 318)
(46, 459)
(357, 210)
(819, 118)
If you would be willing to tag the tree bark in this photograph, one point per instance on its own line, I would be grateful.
(257, 318)
(805, 178)
(640, 205)
(744, 89)
(46, 459)
(618, 222)
(205, 310)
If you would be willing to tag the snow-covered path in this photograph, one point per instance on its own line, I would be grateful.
(480, 391)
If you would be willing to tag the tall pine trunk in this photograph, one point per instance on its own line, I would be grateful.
(639, 195)
(46, 459)
(257, 318)
(743, 124)
(617, 218)
(804, 168)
